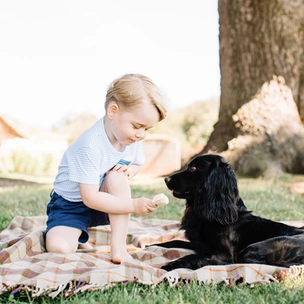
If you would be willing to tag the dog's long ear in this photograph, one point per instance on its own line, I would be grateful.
(218, 194)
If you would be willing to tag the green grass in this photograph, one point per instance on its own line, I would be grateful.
(271, 199)
(184, 293)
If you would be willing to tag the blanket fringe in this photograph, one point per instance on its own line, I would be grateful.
(173, 278)
(67, 289)
(295, 271)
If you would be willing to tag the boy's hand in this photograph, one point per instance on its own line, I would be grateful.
(123, 169)
(143, 206)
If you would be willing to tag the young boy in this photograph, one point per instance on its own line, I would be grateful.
(92, 185)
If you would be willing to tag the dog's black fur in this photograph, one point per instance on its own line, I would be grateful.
(218, 225)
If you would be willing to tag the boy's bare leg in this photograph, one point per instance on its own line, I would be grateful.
(118, 185)
(119, 229)
(62, 239)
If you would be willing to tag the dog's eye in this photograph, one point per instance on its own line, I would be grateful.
(192, 168)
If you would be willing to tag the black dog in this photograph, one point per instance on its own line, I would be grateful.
(218, 225)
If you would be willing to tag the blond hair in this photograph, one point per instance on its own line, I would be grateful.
(130, 90)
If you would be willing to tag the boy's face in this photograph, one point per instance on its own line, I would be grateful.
(130, 125)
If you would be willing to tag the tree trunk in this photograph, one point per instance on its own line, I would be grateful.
(262, 86)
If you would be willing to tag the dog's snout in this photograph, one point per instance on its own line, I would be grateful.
(167, 179)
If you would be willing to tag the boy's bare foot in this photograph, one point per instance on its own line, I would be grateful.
(121, 257)
(86, 247)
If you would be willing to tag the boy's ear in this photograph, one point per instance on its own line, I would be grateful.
(112, 110)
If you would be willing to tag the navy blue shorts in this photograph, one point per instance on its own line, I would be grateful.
(62, 212)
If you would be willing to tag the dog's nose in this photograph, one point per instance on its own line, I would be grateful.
(167, 179)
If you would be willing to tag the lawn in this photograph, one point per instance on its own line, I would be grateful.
(28, 196)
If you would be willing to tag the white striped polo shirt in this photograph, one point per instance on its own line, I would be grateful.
(88, 158)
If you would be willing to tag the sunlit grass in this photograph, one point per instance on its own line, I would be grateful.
(273, 198)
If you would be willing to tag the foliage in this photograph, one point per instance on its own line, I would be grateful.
(269, 198)
(192, 125)
(73, 124)
(29, 156)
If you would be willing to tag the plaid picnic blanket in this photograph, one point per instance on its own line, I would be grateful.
(25, 264)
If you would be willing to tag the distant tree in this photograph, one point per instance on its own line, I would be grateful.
(260, 126)
(72, 125)
(191, 124)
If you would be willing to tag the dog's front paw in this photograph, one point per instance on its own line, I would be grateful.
(168, 267)
(173, 265)
(150, 245)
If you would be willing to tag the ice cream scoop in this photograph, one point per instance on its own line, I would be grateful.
(160, 200)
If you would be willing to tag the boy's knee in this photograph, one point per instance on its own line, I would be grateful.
(57, 243)
(114, 175)
(115, 183)
(114, 178)
(60, 246)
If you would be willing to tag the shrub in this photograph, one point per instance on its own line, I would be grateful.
(29, 156)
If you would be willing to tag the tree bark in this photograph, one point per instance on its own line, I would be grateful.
(262, 86)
